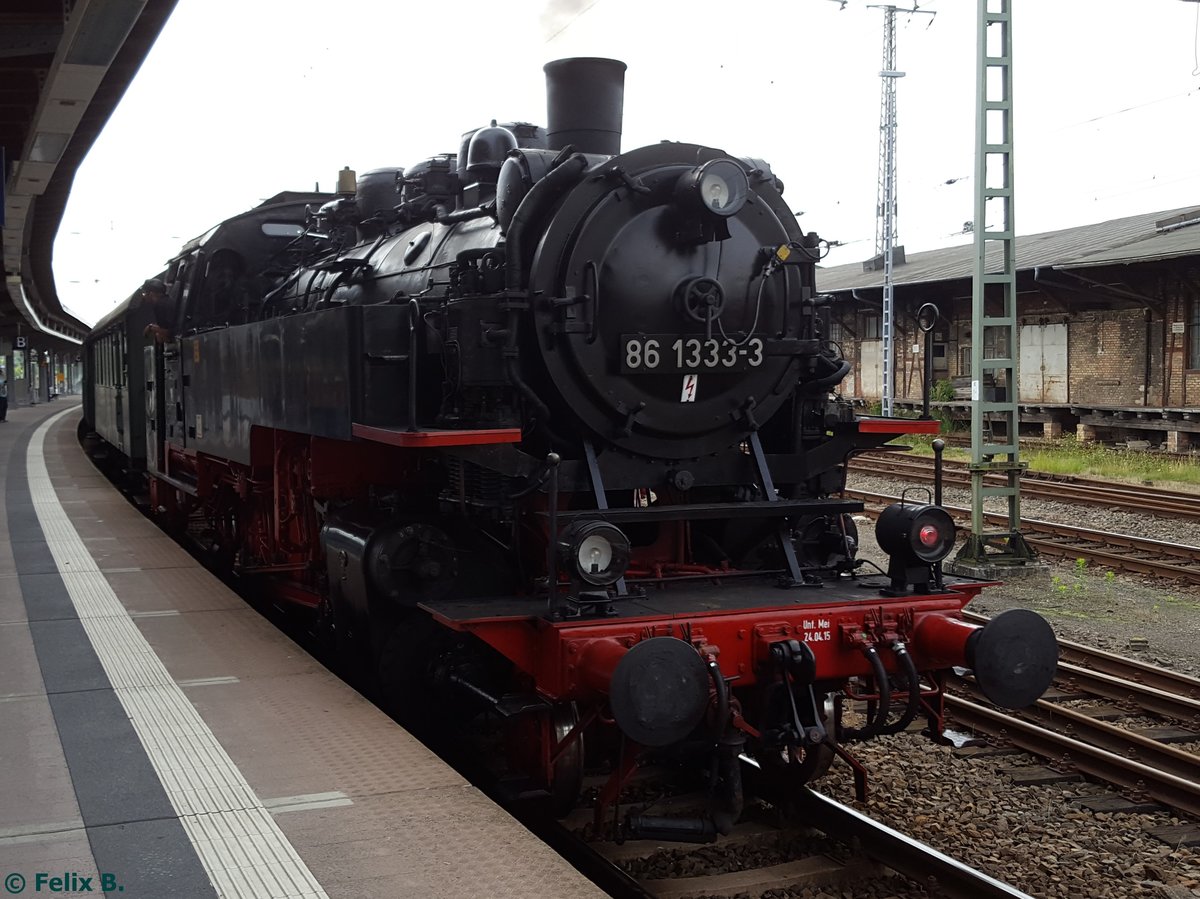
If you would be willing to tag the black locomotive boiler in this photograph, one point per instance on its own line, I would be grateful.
(547, 431)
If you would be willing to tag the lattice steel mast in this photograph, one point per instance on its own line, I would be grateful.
(994, 326)
(885, 209)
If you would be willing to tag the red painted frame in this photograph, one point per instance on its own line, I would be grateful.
(899, 426)
(572, 659)
(418, 439)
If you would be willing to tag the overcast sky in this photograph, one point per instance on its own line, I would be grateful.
(240, 99)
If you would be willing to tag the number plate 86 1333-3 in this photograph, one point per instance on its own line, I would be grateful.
(668, 354)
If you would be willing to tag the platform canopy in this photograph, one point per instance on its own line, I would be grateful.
(64, 66)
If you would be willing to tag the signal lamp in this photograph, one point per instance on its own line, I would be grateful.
(596, 552)
(915, 537)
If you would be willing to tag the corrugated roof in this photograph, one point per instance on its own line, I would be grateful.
(1124, 240)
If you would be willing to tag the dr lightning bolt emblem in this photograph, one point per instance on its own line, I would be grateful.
(690, 382)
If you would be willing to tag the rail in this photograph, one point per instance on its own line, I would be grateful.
(1169, 789)
(903, 853)
(1055, 488)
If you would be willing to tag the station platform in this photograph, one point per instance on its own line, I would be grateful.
(160, 738)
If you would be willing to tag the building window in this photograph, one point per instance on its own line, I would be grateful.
(835, 332)
(1193, 335)
(870, 329)
(995, 343)
(940, 362)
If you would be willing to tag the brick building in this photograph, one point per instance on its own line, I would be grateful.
(1109, 336)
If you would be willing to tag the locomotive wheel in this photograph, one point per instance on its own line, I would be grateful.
(333, 633)
(804, 765)
(324, 629)
(784, 773)
(524, 739)
(568, 770)
(402, 671)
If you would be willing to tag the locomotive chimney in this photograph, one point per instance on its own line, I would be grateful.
(585, 97)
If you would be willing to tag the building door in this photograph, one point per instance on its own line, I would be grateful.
(870, 369)
(1043, 363)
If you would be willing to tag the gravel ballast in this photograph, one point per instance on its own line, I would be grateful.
(1033, 838)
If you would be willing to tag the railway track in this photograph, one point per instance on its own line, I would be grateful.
(1085, 738)
(1039, 485)
(854, 849)
(1034, 443)
(1125, 552)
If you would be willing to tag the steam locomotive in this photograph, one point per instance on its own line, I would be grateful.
(545, 430)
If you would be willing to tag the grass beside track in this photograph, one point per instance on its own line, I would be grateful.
(1070, 457)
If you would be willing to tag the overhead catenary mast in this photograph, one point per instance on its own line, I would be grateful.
(885, 209)
(995, 324)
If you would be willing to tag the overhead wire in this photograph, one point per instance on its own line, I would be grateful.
(1196, 44)
(1134, 108)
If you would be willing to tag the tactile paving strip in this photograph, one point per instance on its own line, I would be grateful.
(242, 849)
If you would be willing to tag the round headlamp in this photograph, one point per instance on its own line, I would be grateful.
(720, 187)
(596, 551)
